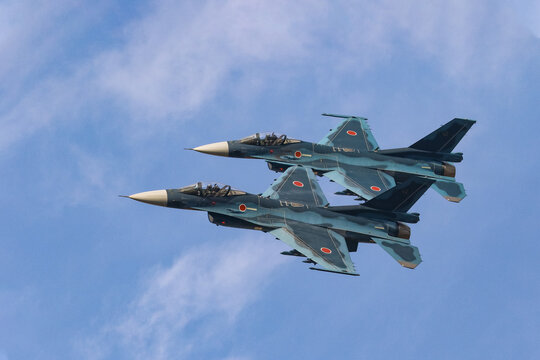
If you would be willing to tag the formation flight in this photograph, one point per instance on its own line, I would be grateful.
(350, 156)
(295, 210)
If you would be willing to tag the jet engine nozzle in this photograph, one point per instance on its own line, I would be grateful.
(404, 232)
(449, 170)
(401, 231)
(445, 169)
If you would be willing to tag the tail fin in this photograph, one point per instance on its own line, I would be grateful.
(445, 138)
(451, 190)
(401, 197)
(407, 255)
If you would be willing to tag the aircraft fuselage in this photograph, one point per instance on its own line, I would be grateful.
(266, 214)
(323, 158)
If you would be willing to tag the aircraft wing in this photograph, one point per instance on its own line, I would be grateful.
(366, 182)
(353, 132)
(297, 184)
(324, 246)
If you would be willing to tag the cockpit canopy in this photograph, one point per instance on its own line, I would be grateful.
(205, 189)
(268, 139)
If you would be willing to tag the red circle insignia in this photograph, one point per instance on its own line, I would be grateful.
(352, 133)
(326, 250)
(375, 188)
(298, 183)
(242, 207)
(298, 154)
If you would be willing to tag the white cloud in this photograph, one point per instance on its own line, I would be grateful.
(48, 101)
(176, 58)
(37, 89)
(179, 55)
(470, 41)
(195, 301)
(27, 33)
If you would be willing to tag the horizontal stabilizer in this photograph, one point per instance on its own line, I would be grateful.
(401, 197)
(445, 138)
(450, 190)
(407, 255)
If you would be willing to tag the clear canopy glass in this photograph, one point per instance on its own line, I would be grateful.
(268, 139)
(210, 189)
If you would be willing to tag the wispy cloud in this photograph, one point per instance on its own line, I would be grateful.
(180, 55)
(28, 36)
(195, 301)
(470, 41)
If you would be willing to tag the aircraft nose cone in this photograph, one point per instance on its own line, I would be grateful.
(219, 148)
(155, 197)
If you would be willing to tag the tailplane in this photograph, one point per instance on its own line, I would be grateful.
(407, 255)
(450, 190)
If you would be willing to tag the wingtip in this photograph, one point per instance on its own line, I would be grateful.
(454, 199)
(408, 265)
(344, 116)
(471, 121)
(335, 272)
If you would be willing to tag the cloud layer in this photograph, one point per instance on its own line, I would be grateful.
(180, 55)
(192, 306)
(76, 89)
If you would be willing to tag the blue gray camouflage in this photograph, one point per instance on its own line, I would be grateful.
(295, 210)
(350, 156)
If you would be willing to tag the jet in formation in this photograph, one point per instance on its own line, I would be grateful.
(296, 211)
(350, 156)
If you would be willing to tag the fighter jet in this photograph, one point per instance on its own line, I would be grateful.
(295, 211)
(350, 156)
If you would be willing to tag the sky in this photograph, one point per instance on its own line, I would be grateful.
(100, 98)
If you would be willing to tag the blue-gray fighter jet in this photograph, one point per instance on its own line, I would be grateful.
(295, 210)
(350, 156)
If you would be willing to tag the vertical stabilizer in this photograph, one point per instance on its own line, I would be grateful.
(445, 138)
(401, 197)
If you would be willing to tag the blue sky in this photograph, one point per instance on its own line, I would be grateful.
(100, 98)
